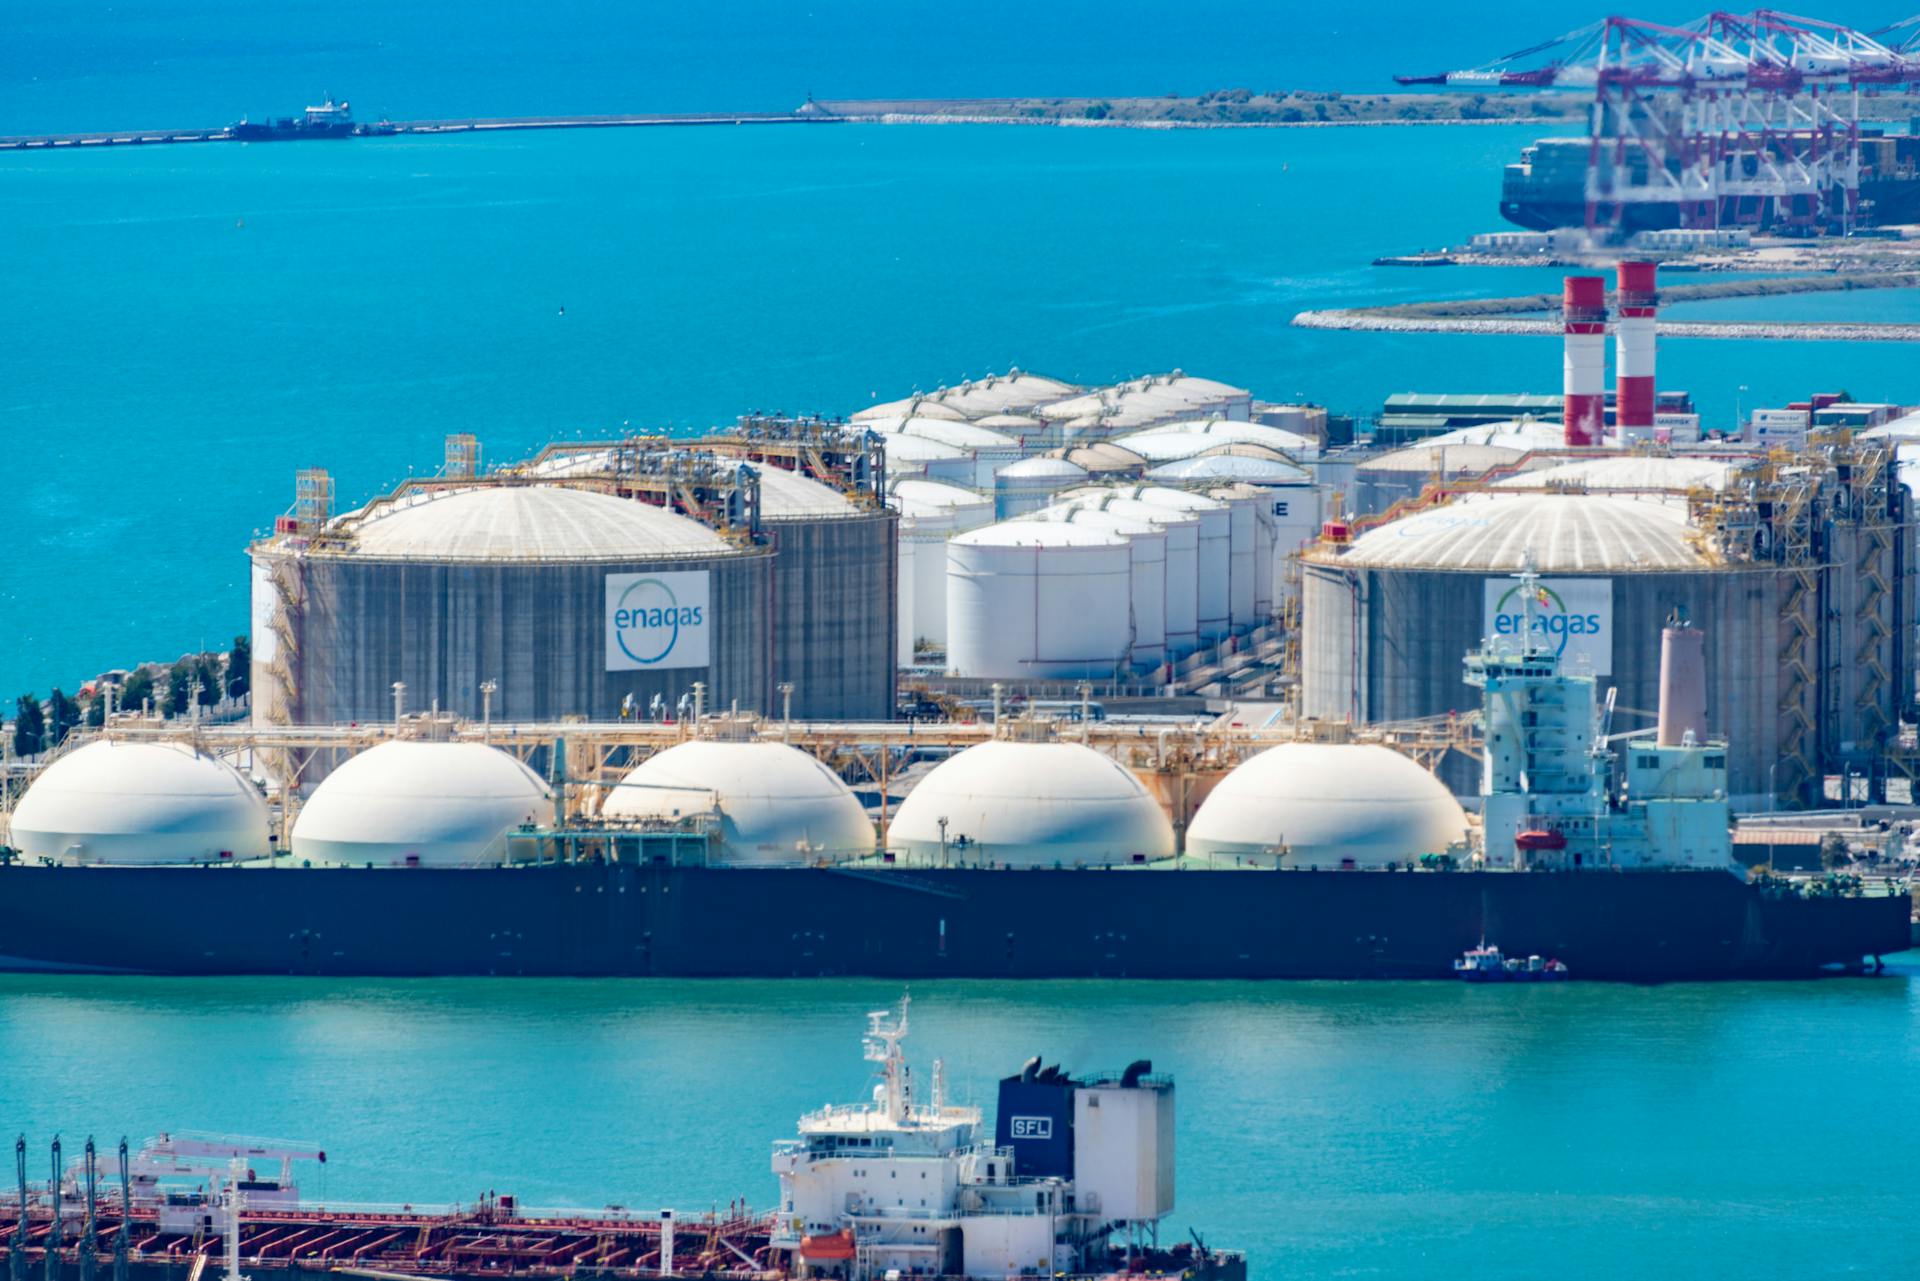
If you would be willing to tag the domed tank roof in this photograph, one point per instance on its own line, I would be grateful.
(1030, 533)
(776, 803)
(786, 495)
(526, 523)
(1043, 468)
(435, 803)
(1556, 533)
(1031, 805)
(1326, 802)
(115, 801)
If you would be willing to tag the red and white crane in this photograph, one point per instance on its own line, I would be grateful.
(1747, 119)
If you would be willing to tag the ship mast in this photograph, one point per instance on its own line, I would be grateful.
(883, 1047)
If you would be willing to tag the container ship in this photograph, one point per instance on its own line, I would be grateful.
(1074, 1180)
(1022, 856)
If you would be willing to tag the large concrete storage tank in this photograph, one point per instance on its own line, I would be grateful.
(427, 804)
(1325, 805)
(1147, 600)
(1013, 392)
(775, 803)
(834, 585)
(931, 512)
(566, 599)
(1036, 599)
(1387, 619)
(1030, 805)
(113, 801)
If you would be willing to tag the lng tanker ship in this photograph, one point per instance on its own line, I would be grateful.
(1621, 871)
(1073, 1181)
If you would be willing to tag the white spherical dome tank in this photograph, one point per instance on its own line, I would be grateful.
(1183, 559)
(408, 803)
(1147, 552)
(776, 803)
(1038, 599)
(931, 512)
(1031, 805)
(121, 802)
(990, 450)
(1326, 803)
(1031, 483)
(1031, 432)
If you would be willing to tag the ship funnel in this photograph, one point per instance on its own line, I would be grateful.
(1584, 307)
(1683, 683)
(1637, 300)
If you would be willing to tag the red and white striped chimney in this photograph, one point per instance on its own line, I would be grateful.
(1637, 304)
(1584, 305)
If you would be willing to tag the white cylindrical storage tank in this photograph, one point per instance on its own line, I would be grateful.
(1266, 543)
(120, 802)
(1325, 805)
(1031, 805)
(1147, 550)
(1038, 599)
(989, 449)
(1215, 588)
(1183, 563)
(1031, 483)
(933, 459)
(406, 804)
(1243, 532)
(776, 804)
(931, 512)
(1213, 577)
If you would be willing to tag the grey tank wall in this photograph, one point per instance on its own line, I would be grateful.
(835, 614)
(535, 629)
(1386, 645)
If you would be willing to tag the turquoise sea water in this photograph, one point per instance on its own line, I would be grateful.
(1335, 1130)
(188, 326)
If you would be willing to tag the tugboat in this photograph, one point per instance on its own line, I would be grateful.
(1072, 1183)
(1486, 964)
(328, 120)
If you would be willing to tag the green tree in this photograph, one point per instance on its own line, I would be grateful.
(97, 710)
(240, 668)
(207, 671)
(62, 715)
(179, 687)
(29, 726)
(137, 690)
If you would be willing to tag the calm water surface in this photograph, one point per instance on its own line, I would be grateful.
(1336, 1130)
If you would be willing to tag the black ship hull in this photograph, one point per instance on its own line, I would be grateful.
(610, 919)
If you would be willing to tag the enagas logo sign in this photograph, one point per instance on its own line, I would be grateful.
(657, 621)
(1573, 617)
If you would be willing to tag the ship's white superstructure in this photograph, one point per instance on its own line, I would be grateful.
(917, 1186)
(1548, 792)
